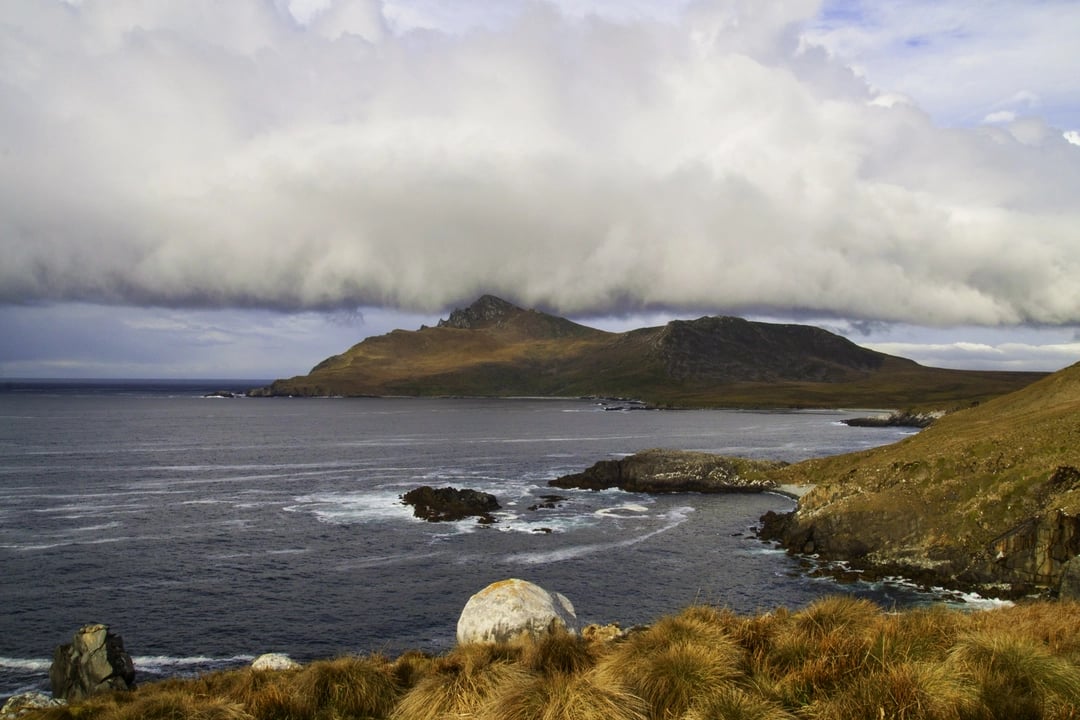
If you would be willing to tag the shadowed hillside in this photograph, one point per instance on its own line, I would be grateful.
(495, 349)
(988, 496)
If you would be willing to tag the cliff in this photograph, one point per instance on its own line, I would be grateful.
(988, 497)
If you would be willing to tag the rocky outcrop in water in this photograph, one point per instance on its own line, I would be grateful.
(95, 661)
(907, 418)
(666, 471)
(449, 504)
(509, 608)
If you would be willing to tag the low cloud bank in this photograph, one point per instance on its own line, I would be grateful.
(226, 155)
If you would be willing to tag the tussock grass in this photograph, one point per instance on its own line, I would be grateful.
(732, 703)
(560, 696)
(461, 683)
(349, 686)
(837, 659)
(904, 691)
(1017, 676)
(676, 661)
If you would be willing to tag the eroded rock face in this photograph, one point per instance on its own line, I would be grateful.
(509, 608)
(660, 471)
(1036, 551)
(94, 661)
(448, 504)
(1069, 588)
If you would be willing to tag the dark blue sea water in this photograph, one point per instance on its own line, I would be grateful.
(208, 530)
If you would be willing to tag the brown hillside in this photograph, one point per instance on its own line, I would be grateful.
(989, 496)
(494, 348)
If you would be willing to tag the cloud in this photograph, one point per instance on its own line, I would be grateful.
(963, 59)
(1005, 356)
(303, 156)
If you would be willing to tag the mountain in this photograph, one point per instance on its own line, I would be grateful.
(494, 348)
(988, 497)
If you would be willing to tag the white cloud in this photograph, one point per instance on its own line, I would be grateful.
(301, 156)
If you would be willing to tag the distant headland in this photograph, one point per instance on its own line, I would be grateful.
(493, 348)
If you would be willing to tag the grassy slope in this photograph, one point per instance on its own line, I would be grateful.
(839, 658)
(944, 494)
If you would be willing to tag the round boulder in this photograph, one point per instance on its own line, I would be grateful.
(509, 608)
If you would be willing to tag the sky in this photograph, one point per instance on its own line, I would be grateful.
(197, 188)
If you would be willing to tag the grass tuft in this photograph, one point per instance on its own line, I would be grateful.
(560, 696)
(1017, 677)
(733, 703)
(349, 687)
(904, 691)
(460, 683)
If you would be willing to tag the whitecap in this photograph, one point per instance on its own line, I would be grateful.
(674, 518)
(35, 664)
(622, 511)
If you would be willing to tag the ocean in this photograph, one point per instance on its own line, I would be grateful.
(206, 531)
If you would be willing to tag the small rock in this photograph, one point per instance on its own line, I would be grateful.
(18, 705)
(603, 633)
(274, 661)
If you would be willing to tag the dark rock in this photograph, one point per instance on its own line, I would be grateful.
(220, 394)
(663, 471)
(1069, 589)
(95, 661)
(448, 504)
(487, 310)
(550, 502)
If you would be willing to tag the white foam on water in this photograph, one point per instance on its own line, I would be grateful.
(95, 528)
(34, 664)
(158, 663)
(673, 518)
(622, 511)
(347, 508)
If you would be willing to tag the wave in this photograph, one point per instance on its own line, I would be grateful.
(674, 518)
(30, 664)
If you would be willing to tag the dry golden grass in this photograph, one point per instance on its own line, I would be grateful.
(837, 659)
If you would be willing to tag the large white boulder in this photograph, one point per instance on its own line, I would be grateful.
(509, 608)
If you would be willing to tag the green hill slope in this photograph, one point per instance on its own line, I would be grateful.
(988, 496)
(494, 348)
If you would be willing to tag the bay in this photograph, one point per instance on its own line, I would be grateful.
(209, 530)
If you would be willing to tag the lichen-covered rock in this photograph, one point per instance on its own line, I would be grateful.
(274, 661)
(509, 608)
(94, 661)
(23, 703)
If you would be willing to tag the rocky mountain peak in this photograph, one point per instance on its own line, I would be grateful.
(488, 310)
